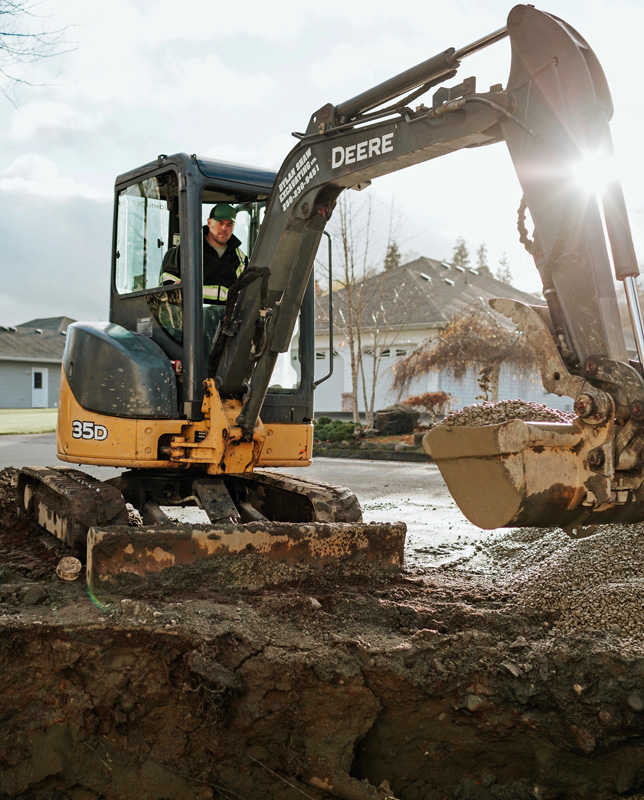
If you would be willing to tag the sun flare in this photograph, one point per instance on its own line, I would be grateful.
(594, 172)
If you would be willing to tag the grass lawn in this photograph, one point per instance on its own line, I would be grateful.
(28, 420)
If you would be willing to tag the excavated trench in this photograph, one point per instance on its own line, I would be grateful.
(445, 683)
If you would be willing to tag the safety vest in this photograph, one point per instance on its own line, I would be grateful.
(212, 292)
(220, 293)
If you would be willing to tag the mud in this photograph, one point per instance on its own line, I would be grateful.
(444, 682)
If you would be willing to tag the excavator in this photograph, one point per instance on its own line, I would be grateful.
(197, 413)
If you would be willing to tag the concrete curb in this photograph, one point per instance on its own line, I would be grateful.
(371, 455)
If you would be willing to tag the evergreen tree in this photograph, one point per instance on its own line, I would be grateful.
(503, 272)
(461, 255)
(481, 260)
(392, 257)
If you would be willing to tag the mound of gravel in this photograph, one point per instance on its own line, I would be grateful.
(493, 413)
(595, 583)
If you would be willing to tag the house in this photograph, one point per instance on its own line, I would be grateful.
(49, 323)
(400, 309)
(30, 362)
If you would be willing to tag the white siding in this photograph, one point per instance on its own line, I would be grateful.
(465, 392)
(328, 395)
(16, 381)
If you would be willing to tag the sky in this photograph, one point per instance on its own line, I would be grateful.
(143, 77)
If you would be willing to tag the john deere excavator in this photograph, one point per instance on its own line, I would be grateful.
(195, 414)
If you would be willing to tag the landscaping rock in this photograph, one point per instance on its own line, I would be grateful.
(396, 420)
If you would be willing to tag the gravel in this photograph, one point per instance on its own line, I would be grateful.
(595, 583)
(494, 413)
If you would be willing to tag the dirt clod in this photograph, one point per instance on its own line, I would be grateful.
(493, 678)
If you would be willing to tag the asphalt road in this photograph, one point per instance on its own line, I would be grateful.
(388, 491)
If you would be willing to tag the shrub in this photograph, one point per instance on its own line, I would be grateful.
(334, 430)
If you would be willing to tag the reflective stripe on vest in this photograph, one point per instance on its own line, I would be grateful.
(215, 292)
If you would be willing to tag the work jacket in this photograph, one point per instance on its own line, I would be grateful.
(219, 272)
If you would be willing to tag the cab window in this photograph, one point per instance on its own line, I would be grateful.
(145, 213)
(249, 218)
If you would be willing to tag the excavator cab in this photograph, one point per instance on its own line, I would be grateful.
(161, 345)
(165, 205)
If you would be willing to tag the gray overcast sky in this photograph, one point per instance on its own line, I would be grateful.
(232, 82)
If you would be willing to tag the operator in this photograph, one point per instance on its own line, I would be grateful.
(223, 259)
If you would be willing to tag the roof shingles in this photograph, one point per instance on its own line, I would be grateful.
(28, 343)
(422, 293)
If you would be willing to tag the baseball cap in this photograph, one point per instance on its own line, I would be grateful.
(223, 211)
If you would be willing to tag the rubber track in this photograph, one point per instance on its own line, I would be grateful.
(330, 503)
(82, 498)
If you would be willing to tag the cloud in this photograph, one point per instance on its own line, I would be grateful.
(55, 258)
(208, 21)
(268, 155)
(35, 119)
(212, 82)
(353, 63)
(32, 174)
(148, 78)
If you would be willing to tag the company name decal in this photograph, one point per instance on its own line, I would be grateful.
(361, 151)
(298, 178)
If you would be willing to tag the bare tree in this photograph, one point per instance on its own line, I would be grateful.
(25, 37)
(365, 299)
(474, 337)
(355, 269)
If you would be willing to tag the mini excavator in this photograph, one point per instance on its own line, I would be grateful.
(197, 413)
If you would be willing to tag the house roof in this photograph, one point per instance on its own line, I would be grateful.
(425, 293)
(49, 323)
(31, 344)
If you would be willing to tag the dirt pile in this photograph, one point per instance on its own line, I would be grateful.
(446, 683)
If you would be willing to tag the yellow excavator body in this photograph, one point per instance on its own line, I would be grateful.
(86, 437)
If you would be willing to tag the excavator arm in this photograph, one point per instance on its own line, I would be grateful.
(553, 114)
(344, 146)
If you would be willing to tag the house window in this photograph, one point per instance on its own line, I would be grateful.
(400, 352)
(322, 355)
(37, 380)
(385, 353)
